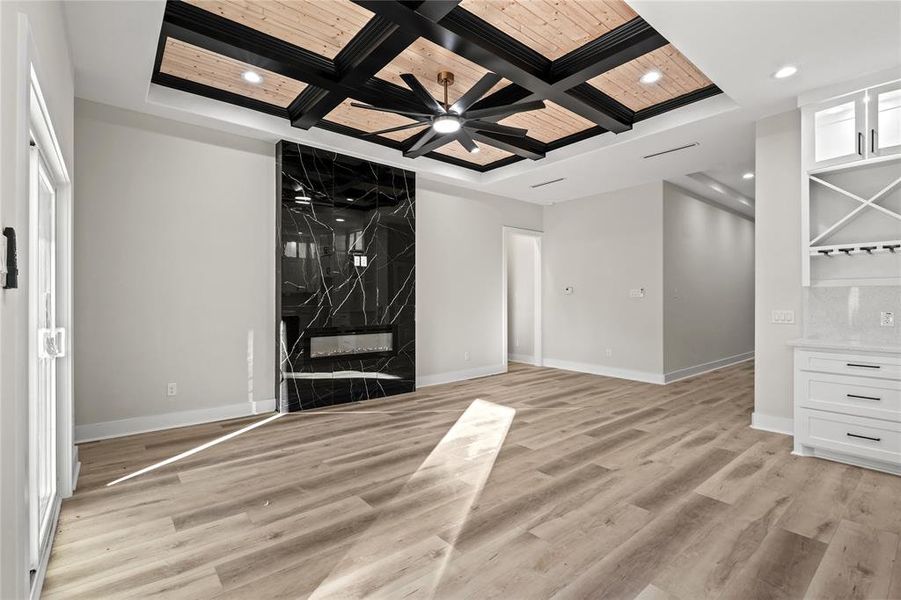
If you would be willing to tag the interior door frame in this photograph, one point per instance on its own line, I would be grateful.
(537, 351)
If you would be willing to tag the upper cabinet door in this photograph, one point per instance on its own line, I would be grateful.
(838, 127)
(884, 120)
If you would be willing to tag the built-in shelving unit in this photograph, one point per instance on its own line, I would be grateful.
(851, 188)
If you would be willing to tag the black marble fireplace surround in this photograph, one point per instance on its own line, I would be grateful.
(346, 276)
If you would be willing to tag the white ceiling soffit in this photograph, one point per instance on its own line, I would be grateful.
(740, 44)
(705, 186)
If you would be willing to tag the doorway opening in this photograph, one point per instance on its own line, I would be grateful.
(522, 296)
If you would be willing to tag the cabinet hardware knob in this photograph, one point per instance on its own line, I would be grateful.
(864, 437)
(859, 397)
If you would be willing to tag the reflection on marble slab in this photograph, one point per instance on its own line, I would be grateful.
(347, 234)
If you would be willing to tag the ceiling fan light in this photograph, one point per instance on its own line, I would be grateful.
(475, 150)
(446, 124)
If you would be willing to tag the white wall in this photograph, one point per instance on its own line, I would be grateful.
(778, 266)
(459, 306)
(708, 275)
(54, 70)
(175, 238)
(521, 281)
(603, 246)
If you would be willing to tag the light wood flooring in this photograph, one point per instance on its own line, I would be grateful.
(603, 488)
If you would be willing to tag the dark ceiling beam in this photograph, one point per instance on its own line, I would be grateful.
(468, 36)
(367, 53)
(617, 47)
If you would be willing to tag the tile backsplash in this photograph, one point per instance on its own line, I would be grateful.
(852, 313)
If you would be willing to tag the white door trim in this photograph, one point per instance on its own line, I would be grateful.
(537, 356)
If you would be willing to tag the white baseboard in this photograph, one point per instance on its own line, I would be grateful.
(707, 367)
(528, 359)
(782, 425)
(451, 376)
(643, 376)
(112, 429)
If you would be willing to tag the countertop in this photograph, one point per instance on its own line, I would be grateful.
(846, 345)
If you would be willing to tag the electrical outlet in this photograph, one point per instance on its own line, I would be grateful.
(609, 352)
(171, 389)
(783, 317)
(887, 319)
(636, 293)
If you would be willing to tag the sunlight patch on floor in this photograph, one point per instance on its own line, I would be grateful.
(389, 556)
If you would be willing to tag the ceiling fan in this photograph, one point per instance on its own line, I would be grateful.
(456, 122)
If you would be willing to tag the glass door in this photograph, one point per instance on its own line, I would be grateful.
(839, 131)
(884, 105)
(43, 494)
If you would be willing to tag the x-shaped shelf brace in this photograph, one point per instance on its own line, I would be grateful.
(871, 203)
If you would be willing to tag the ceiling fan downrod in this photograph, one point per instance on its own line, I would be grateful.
(446, 78)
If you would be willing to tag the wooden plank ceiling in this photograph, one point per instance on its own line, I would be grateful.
(195, 64)
(553, 28)
(679, 76)
(320, 26)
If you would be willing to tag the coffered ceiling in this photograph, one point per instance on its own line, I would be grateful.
(584, 58)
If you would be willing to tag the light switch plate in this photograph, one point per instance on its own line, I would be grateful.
(887, 319)
(783, 317)
(636, 293)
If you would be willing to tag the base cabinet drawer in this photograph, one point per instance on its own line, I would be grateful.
(858, 365)
(851, 435)
(860, 396)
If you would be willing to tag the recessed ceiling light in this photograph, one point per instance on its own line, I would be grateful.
(340, 220)
(786, 71)
(748, 176)
(252, 77)
(446, 124)
(350, 199)
(651, 77)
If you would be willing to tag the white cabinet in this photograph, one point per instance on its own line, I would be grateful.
(884, 120)
(854, 127)
(838, 130)
(848, 406)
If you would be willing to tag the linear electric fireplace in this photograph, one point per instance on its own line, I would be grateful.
(346, 279)
(350, 343)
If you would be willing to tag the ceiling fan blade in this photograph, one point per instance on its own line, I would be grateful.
(395, 111)
(496, 128)
(481, 87)
(466, 141)
(504, 111)
(519, 146)
(398, 128)
(424, 138)
(422, 93)
(430, 140)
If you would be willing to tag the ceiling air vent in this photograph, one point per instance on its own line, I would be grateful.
(544, 183)
(686, 146)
